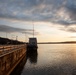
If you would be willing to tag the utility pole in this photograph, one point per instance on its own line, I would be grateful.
(25, 35)
(16, 38)
(6, 34)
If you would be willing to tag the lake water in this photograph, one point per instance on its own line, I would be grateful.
(49, 59)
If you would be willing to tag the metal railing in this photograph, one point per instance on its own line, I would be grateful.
(9, 48)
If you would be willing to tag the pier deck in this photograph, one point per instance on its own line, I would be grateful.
(10, 56)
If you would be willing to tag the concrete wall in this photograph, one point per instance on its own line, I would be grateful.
(9, 61)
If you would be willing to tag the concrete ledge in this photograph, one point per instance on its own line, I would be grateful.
(10, 60)
(8, 73)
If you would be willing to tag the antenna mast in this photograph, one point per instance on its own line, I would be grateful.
(33, 30)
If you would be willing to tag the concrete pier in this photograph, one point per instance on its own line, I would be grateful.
(10, 58)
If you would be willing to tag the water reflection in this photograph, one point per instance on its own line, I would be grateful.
(59, 59)
(32, 55)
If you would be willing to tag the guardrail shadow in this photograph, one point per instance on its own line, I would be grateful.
(18, 69)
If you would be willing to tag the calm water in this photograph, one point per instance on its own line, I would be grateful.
(49, 59)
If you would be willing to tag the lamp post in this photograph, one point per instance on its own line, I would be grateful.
(12, 36)
(6, 34)
(16, 39)
(24, 35)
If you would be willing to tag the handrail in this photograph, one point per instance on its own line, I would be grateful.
(4, 49)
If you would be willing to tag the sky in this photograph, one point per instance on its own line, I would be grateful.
(53, 20)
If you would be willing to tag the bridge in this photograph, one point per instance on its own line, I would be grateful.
(10, 56)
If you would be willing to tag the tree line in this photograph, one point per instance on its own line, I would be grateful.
(6, 41)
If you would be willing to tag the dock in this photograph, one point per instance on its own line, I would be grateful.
(10, 56)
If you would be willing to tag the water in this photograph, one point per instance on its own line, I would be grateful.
(49, 59)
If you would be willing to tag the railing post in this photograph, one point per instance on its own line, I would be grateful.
(10, 47)
(3, 48)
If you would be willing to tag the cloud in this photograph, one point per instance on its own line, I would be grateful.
(71, 7)
(56, 11)
(71, 28)
(31, 33)
(72, 37)
(9, 29)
